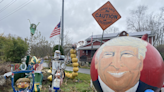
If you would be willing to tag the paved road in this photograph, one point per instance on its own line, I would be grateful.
(45, 64)
(68, 68)
(81, 70)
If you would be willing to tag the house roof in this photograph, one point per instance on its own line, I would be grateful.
(112, 35)
(93, 42)
(89, 47)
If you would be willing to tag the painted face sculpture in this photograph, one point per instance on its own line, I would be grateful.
(23, 83)
(119, 66)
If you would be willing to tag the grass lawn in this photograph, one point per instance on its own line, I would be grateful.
(85, 67)
(79, 84)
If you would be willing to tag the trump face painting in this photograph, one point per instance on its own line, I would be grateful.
(119, 63)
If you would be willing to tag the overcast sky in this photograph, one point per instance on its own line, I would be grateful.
(78, 18)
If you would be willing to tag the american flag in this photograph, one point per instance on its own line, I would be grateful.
(56, 31)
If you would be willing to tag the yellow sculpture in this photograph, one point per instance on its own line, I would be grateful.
(75, 65)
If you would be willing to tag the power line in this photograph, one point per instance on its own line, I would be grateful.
(5, 7)
(16, 10)
(1, 1)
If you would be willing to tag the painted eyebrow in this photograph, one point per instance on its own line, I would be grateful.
(109, 52)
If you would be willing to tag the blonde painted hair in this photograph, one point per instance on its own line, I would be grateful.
(126, 41)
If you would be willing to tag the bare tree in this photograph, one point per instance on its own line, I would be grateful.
(67, 42)
(140, 21)
(137, 20)
(155, 25)
(112, 29)
(40, 47)
(67, 39)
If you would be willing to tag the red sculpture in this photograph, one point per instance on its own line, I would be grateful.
(135, 66)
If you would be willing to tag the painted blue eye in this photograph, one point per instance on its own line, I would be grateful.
(108, 54)
(127, 55)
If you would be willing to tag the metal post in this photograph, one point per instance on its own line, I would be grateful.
(92, 46)
(30, 42)
(30, 45)
(62, 33)
(29, 50)
(59, 44)
(102, 38)
(52, 73)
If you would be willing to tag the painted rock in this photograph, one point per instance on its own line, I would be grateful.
(127, 64)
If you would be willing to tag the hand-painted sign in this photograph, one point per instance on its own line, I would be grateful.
(23, 66)
(106, 15)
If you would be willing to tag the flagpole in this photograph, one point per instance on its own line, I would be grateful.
(62, 32)
(92, 45)
(92, 41)
(59, 44)
(102, 38)
(59, 37)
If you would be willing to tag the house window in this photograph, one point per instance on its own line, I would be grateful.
(86, 52)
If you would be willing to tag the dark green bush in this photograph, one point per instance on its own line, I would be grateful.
(12, 49)
(56, 48)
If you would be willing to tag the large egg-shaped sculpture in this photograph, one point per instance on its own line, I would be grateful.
(127, 64)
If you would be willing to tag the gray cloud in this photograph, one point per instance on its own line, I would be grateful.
(78, 18)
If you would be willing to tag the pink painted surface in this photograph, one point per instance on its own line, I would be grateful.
(153, 68)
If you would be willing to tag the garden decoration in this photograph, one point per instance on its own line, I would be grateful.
(17, 73)
(17, 67)
(75, 64)
(37, 66)
(58, 67)
(57, 81)
(38, 77)
(55, 65)
(23, 84)
(127, 64)
(33, 27)
(56, 71)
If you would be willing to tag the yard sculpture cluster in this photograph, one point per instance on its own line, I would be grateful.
(56, 70)
(75, 64)
(27, 78)
(127, 64)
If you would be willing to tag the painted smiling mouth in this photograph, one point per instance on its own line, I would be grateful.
(117, 75)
